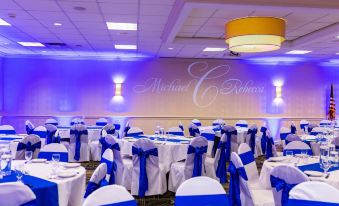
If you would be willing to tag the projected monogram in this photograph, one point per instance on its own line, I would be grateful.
(204, 83)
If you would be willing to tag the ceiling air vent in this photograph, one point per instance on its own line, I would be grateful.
(55, 44)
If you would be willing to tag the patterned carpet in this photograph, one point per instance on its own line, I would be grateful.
(160, 200)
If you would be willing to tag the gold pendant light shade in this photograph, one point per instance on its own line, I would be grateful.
(255, 34)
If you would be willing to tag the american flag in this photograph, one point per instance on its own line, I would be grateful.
(331, 113)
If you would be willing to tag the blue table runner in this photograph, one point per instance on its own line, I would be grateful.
(316, 167)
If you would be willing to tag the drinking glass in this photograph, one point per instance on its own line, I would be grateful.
(289, 154)
(19, 171)
(28, 156)
(56, 158)
(334, 158)
(304, 156)
(325, 164)
(55, 164)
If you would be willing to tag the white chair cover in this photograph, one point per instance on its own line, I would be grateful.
(52, 121)
(218, 122)
(297, 147)
(196, 122)
(319, 130)
(78, 152)
(232, 131)
(284, 132)
(97, 179)
(40, 131)
(283, 179)
(193, 130)
(101, 122)
(29, 127)
(175, 131)
(109, 129)
(325, 123)
(134, 131)
(77, 121)
(146, 169)
(291, 138)
(303, 123)
(201, 191)
(313, 193)
(7, 129)
(110, 195)
(29, 143)
(209, 134)
(241, 123)
(181, 171)
(108, 159)
(54, 148)
(16, 194)
(51, 136)
(253, 130)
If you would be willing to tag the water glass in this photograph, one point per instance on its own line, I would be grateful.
(334, 158)
(55, 164)
(304, 156)
(19, 171)
(56, 158)
(325, 164)
(289, 154)
(28, 156)
(6, 162)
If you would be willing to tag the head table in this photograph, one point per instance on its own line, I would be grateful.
(310, 163)
(68, 191)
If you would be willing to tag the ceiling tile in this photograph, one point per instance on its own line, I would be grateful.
(38, 5)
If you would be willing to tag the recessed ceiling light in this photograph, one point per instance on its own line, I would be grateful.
(57, 24)
(298, 52)
(79, 8)
(214, 49)
(43, 51)
(121, 26)
(170, 48)
(4, 23)
(337, 37)
(38, 44)
(122, 46)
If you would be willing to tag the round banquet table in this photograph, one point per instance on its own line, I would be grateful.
(301, 163)
(70, 190)
(11, 141)
(168, 151)
(314, 142)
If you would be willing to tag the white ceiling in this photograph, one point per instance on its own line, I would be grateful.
(185, 26)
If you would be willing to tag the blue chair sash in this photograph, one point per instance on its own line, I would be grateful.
(198, 124)
(198, 153)
(269, 147)
(247, 157)
(202, 200)
(234, 188)
(104, 145)
(181, 127)
(135, 134)
(143, 155)
(126, 130)
(228, 143)
(215, 124)
(193, 131)
(302, 126)
(51, 138)
(111, 169)
(92, 186)
(293, 129)
(208, 136)
(176, 133)
(124, 203)
(7, 131)
(48, 155)
(283, 136)
(110, 131)
(77, 135)
(41, 134)
(241, 125)
(315, 133)
(280, 184)
(298, 151)
(221, 171)
(100, 123)
(294, 202)
(29, 146)
(29, 129)
(263, 139)
(252, 133)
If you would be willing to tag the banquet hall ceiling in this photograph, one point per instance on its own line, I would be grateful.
(165, 28)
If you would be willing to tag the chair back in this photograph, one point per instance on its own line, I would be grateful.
(218, 122)
(284, 131)
(201, 191)
(101, 122)
(52, 121)
(54, 148)
(251, 137)
(108, 158)
(283, 179)
(314, 193)
(209, 134)
(196, 122)
(134, 131)
(78, 146)
(145, 167)
(303, 124)
(293, 128)
(311, 126)
(220, 160)
(193, 130)
(40, 131)
(117, 127)
(196, 154)
(97, 179)
(247, 158)
(29, 143)
(325, 123)
(29, 127)
(16, 193)
(110, 195)
(291, 138)
(51, 136)
(77, 121)
(319, 130)
(297, 147)
(7, 129)
(175, 131)
(109, 129)
(241, 123)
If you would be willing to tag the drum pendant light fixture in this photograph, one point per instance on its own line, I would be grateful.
(255, 34)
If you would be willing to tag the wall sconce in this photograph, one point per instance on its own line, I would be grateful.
(118, 87)
(278, 91)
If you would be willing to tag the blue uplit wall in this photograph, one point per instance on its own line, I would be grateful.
(1, 88)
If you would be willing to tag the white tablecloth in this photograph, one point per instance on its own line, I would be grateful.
(267, 167)
(71, 190)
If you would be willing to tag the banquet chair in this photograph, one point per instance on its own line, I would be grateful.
(148, 176)
(117, 127)
(209, 134)
(216, 167)
(7, 129)
(196, 122)
(193, 166)
(110, 195)
(218, 122)
(201, 191)
(293, 128)
(127, 127)
(77, 121)
(78, 146)
(108, 159)
(98, 179)
(283, 178)
(193, 130)
(52, 121)
(134, 132)
(109, 129)
(291, 138)
(304, 123)
(240, 193)
(181, 126)
(232, 136)
(16, 194)
(29, 143)
(101, 122)
(297, 147)
(253, 140)
(284, 131)
(241, 123)
(311, 126)
(325, 123)
(40, 131)
(51, 136)
(175, 131)
(319, 130)
(271, 150)
(313, 193)
(54, 148)
(29, 127)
